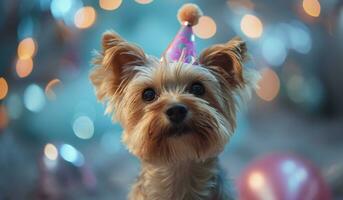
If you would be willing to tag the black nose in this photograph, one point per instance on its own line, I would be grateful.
(177, 113)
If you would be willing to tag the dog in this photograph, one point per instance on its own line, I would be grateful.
(176, 116)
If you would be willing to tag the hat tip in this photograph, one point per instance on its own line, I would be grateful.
(189, 14)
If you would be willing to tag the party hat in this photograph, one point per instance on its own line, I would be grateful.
(183, 43)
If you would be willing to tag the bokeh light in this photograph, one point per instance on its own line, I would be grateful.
(312, 7)
(269, 85)
(59, 8)
(85, 17)
(27, 48)
(24, 67)
(300, 38)
(3, 117)
(65, 10)
(239, 4)
(274, 50)
(50, 151)
(143, 1)
(49, 89)
(110, 4)
(71, 154)
(34, 99)
(3, 88)
(256, 181)
(83, 127)
(206, 28)
(252, 26)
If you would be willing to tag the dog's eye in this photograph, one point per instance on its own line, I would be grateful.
(149, 94)
(197, 89)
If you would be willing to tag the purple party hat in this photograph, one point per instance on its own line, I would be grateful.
(183, 44)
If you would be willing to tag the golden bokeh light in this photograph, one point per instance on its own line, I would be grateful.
(269, 85)
(251, 26)
(49, 89)
(239, 4)
(24, 67)
(110, 4)
(206, 28)
(50, 151)
(3, 117)
(85, 17)
(3, 88)
(256, 180)
(312, 7)
(143, 1)
(27, 48)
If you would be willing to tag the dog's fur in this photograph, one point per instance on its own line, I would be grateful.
(177, 163)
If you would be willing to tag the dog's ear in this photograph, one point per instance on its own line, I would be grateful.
(226, 61)
(114, 66)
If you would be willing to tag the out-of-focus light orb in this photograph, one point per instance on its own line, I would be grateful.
(282, 176)
(59, 8)
(3, 117)
(50, 151)
(24, 67)
(65, 10)
(206, 27)
(14, 106)
(34, 99)
(274, 51)
(251, 26)
(70, 154)
(49, 89)
(269, 85)
(3, 88)
(83, 127)
(85, 17)
(256, 180)
(312, 7)
(239, 4)
(300, 38)
(27, 48)
(110, 4)
(143, 1)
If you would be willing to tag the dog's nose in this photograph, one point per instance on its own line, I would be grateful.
(177, 113)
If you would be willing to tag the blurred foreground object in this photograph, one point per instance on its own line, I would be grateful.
(282, 176)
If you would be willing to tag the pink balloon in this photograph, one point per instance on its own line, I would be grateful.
(282, 177)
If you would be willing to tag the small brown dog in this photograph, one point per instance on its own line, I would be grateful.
(177, 116)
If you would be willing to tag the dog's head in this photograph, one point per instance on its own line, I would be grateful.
(172, 111)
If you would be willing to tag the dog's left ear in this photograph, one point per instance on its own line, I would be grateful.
(226, 60)
(114, 66)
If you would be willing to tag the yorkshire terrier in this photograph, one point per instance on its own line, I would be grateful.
(177, 115)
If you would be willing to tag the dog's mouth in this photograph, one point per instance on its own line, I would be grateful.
(179, 130)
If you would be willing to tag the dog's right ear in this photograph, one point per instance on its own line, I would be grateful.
(114, 66)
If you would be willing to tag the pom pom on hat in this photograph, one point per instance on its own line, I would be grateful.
(189, 14)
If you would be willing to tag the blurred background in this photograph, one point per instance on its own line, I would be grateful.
(56, 142)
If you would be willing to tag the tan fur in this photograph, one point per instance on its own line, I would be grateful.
(174, 167)
(189, 13)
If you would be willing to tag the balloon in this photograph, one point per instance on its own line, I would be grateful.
(282, 177)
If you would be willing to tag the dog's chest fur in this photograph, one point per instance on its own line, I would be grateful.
(181, 181)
